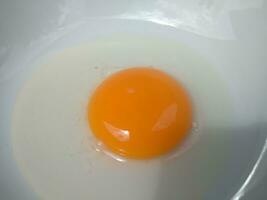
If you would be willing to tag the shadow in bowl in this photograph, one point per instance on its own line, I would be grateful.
(215, 167)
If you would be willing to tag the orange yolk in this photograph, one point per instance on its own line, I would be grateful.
(140, 113)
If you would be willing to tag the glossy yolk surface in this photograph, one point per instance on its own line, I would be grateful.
(140, 113)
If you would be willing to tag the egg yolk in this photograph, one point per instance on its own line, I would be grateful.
(140, 113)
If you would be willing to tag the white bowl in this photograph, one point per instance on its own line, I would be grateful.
(230, 35)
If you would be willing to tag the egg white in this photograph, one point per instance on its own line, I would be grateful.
(54, 146)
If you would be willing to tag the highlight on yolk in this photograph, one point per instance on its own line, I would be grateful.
(140, 113)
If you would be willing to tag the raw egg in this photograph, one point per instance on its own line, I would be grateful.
(140, 113)
(102, 90)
